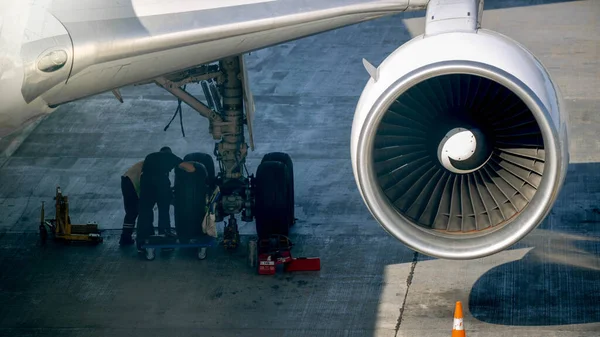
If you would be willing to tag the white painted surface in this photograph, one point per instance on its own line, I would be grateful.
(485, 46)
(15, 113)
(40, 23)
(86, 10)
(458, 324)
(459, 144)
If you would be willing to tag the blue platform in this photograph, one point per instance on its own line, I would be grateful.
(162, 242)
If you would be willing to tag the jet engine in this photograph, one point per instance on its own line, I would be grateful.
(459, 143)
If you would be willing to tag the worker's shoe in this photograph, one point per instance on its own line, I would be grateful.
(167, 233)
(126, 240)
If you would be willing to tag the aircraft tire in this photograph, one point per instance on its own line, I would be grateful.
(287, 160)
(190, 202)
(206, 160)
(271, 210)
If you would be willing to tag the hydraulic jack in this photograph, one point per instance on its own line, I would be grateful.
(61, 227)
(231, 234)
(277, 250)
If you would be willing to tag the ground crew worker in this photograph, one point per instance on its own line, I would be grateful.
(130, 188)
(155, 188)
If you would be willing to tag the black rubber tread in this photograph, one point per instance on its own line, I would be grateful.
(190, 202)
(206, 160)
(271, 205)
(287, 160)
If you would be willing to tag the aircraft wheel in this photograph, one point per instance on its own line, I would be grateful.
(190, 202)
(206, 160)
(271, 199)
(287, 160)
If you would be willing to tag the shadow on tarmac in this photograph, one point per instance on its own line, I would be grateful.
(558, 281)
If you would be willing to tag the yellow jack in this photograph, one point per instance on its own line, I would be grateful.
(61, 226)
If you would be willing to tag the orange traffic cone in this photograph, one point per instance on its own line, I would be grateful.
(458, 329)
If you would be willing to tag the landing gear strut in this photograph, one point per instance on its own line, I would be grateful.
(267, 198)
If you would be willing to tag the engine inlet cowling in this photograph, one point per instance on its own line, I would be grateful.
(458, 152)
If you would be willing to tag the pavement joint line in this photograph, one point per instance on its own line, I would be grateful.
(409, 280)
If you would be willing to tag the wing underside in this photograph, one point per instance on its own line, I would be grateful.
(118, 43)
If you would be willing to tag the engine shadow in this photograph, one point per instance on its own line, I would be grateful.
(557, 282)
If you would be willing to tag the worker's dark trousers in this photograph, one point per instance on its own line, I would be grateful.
(153, 190)
(130, 203)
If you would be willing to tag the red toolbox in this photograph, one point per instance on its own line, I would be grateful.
(276, 250)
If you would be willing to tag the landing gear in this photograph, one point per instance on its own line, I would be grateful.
(231, 235)
(287, 160)
(273, 204)
(206, 160)
(268, 198)
(190, 200)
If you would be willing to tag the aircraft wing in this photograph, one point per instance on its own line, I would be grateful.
(117, 43)
(56, 51)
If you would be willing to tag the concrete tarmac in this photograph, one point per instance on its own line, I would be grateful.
(370, 284)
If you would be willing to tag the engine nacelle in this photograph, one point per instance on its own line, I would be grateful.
(459, 143)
